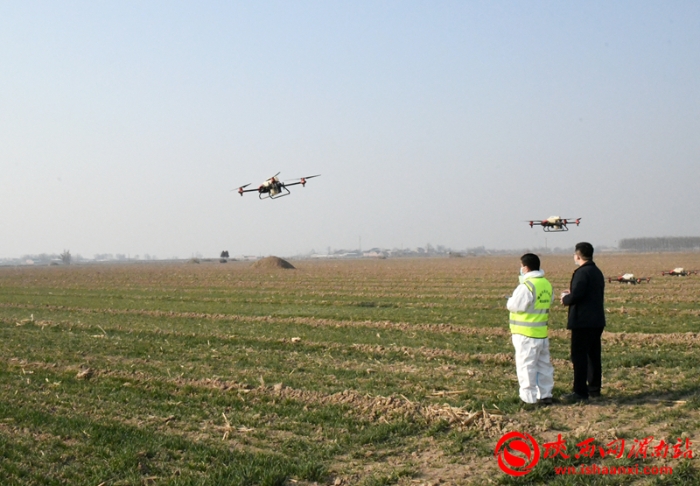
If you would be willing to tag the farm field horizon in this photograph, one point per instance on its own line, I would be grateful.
(338, 372)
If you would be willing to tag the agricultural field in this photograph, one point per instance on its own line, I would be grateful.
(358, 372)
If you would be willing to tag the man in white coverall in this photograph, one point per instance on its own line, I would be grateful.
(529, 314)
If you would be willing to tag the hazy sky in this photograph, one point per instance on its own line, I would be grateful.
(124, 125)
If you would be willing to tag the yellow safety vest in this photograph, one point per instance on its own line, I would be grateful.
(533, 321)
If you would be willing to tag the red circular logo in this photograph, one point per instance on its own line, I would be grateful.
(517, 453)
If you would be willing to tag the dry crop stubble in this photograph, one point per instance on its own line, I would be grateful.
(336, 371)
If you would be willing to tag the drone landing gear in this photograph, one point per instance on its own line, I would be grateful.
(275, 194)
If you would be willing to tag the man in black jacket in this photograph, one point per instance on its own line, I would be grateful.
(586, 321)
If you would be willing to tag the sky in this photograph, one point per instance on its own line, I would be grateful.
(126, 126)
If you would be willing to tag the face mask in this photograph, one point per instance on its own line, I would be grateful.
(521, 277)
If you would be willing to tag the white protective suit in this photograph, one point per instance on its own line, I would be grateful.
(532, 362)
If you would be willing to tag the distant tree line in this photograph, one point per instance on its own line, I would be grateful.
(664, 243)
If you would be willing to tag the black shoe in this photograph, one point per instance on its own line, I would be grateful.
(544, 402)
(573, 398)
(594, 394)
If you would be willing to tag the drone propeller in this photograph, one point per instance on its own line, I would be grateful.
(240, 189)
(301, 180)
(304, 179)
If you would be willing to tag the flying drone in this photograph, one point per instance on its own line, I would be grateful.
(273, 188)
(629, 278)
(680, 272)
(555, 223)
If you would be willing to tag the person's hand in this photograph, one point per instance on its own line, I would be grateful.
(563, 294)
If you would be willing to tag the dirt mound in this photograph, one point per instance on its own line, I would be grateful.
(272, 262)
